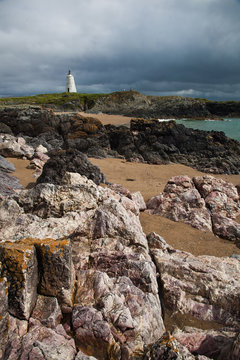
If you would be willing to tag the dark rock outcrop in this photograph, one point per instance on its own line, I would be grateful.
(71, 160)
(164, 142)
(159, 142)
(132, 103)
(224, 108)
(149, 141)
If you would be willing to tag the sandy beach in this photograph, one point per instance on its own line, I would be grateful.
(109, 119)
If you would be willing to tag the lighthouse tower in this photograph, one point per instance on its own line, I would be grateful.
(70, 83)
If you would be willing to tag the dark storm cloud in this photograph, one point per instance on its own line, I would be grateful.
(187, 47)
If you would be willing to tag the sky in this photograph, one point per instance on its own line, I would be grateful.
(158, 47)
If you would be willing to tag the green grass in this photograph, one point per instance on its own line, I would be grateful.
(52, 99)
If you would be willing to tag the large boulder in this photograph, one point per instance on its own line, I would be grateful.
(15, 147)
(93, 333)
(204, 202)
(205, 287)
(180, 201)
(69, 161)
(221, 197)
(226, 228)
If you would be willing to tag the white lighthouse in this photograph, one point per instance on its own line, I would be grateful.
(70, 83)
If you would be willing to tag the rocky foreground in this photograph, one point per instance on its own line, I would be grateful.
(80, 280)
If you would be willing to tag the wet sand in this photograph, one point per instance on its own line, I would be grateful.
(24, 175)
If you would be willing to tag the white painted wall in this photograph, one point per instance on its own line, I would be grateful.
(70, 84)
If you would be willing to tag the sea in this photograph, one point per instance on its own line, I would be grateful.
(230, 126)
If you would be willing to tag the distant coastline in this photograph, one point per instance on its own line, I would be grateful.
(133, 104)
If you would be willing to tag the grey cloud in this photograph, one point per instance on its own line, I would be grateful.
(161, 47)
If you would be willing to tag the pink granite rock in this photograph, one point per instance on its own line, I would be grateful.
(47, 311)
(180, 201)
(42, 343)
(134, 316)
(205, 287)
(17, 327)
(116, 277)
(169, 348)
(82, 356)
(215, 344)
(129, 205)
(199, 203)
(35, 164)
(41, 149)
(118, 188)
(92, 333)
(226, 228)
(137, 198)
(3, 313)
(221, 197)
(219, 203)
(207, 184)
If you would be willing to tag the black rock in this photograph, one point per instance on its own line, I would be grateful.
(70, 160)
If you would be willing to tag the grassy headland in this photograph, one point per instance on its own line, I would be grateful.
(62, 100)
(131, 103)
